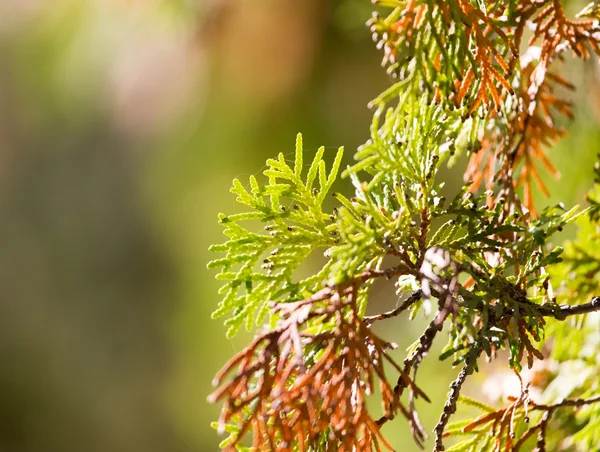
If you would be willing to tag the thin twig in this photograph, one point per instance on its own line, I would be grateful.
(558, 312)
(541, 439)
(563, 311)
(585, 308)
(395, 312)
(418, 432)
(528, 434)
(567, 403)
(400, 269)
(425, 341)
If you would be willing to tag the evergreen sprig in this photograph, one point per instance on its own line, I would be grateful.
(483, 259)
(291, 207)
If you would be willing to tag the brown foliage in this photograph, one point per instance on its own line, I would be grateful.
(512, 154)
(532, 128)
(300, 385)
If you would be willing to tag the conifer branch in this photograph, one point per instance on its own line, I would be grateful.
(461, 87)
(561, 312)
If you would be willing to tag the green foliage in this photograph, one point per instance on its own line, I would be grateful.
(575, 361)
(290, 207)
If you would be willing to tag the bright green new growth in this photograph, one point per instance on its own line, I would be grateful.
(290, 207)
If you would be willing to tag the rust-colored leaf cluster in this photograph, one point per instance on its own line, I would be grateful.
(488, 77)
(409, 22)
(537, 128)
(482, 77)
(511, 152)
(533, 127)
(554, 29)
(298, 385)
(426, 33)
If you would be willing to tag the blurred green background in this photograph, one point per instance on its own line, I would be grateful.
(122, 124)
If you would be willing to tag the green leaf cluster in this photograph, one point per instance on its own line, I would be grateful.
(259, 266)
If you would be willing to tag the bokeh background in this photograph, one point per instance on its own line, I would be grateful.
(122, 124)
